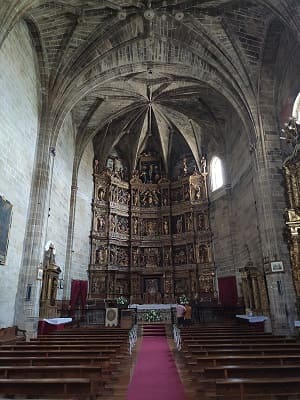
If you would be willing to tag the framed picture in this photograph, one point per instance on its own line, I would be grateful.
(39, 275)
(5, 222)
(277, 266)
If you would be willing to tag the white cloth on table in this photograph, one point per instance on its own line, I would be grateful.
(57, 321)
(152, 306)
(253, 319)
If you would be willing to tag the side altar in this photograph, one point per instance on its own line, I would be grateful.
(154, 313)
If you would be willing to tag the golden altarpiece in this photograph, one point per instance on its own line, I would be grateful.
(292, 179)
(151, 239)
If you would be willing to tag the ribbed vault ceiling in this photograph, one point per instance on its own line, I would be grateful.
(160, 74)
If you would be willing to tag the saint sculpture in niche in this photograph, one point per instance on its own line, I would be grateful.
(101, 194)
(179, 224)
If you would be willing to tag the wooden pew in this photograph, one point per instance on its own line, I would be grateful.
(252, 371)
(258, 388)
(216, 360)
(50, 353)
(214, 354)
(210, 340)
(34, 368)
(59, 388)
(55, 371)
(190, 353)
(58, 360)
(63, 346)
(241, 346)
(225, 335)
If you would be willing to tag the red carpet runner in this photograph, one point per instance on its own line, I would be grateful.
(155, 375)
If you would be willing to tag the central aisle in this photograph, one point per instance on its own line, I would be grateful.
(155, 375)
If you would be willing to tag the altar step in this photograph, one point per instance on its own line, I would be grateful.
(154, 330)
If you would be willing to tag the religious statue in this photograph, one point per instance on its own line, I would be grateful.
(113, 223)
(150, 230)
(135, 257)
(191, 254)
(185, 168)
(179, 224)
(156, 174)
(135, 226)
(53, 290)
(156, 195)
(96, 166)
(189, 223)
(100, 255)
(135, 197)
(167, 256)
(203, 165)
(101, 194)
(186, 194)
(165, 198)
(201, 223)
(165, 226)
(100, 223)
(144, 176)
(203, 255)
(182, 256)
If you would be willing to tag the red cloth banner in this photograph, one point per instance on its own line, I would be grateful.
(228, 291)
(79, 291)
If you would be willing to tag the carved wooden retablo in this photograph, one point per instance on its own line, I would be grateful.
(151, 240)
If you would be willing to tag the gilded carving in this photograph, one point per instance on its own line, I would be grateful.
(150, 228)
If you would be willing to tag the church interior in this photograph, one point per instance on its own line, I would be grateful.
(149, 157)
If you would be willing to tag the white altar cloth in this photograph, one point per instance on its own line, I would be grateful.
(152, 306)
(57, 321)
(253, 319)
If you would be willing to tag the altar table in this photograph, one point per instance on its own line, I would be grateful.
(165, 312)
(53, 324)
(255, 321)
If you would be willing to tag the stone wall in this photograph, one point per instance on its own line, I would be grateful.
(83, 216)
(59, 202)
(233, 209)
(18, 133)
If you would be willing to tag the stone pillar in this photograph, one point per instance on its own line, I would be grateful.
(29, 288)
(69, 249)
(271, 225)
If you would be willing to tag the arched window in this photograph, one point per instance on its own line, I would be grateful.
(216, 174)
(296, 109)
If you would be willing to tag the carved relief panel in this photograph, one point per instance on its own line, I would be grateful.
(97, 284)
(119, 255)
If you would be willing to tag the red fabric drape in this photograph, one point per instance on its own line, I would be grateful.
(227, 291)
(84, 291)
(79, 291)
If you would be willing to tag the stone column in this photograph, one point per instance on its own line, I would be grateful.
(29, 288)
(271, 225)
(70, 237)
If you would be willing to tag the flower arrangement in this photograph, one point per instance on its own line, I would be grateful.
(122, 300)
(152, 316)
(183, 299)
